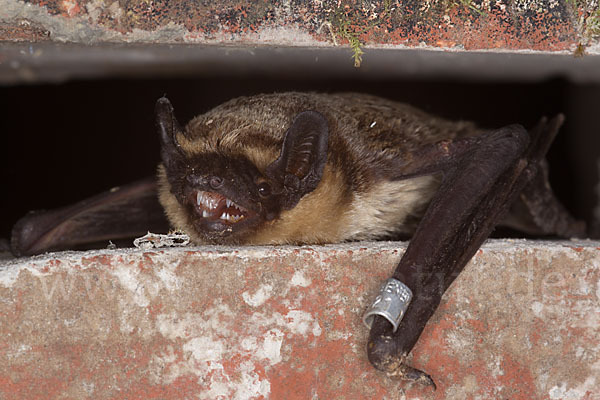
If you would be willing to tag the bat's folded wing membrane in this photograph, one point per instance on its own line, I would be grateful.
(122, 212)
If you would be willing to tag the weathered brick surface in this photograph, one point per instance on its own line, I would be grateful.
(521, 322)
(461, 24)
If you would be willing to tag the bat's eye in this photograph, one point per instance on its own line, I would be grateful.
(264, 189)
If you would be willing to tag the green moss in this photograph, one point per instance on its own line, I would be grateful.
(354, 41)
(470, 5)
(587, 18)
(349, 20)
(593, 24)
(342, 26)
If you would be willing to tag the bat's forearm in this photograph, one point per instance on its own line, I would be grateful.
(473, 196)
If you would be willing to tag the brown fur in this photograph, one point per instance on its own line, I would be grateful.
(355, 199)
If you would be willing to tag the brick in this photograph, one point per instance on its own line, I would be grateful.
(458, 25)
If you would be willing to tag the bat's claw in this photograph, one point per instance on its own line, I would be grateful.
(409, 374)
(383, 356)
(417, 376)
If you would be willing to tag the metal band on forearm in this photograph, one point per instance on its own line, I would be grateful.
(391, 303)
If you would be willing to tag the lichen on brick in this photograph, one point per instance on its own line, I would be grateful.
(459, 24)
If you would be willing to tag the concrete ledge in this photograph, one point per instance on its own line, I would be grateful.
(521, 322)
(56, 62)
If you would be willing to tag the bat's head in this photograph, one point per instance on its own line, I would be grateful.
(223, 188)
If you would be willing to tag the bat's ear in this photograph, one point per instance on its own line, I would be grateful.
(299, 167)
(167, 127)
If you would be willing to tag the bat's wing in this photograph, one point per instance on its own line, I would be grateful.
(479, 184)
(123, 212)
(536, 211)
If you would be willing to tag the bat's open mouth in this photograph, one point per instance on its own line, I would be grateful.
(216, 207)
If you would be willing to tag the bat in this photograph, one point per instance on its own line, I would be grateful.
(308, 168)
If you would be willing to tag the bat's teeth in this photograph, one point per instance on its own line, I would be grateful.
(231, 217)
(207, 200)
(208, 203)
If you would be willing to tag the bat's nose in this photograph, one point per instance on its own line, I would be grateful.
(216, 182)
(203, 181)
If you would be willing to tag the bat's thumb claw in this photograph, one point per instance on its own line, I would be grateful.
(384, 357)
(415, 375)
